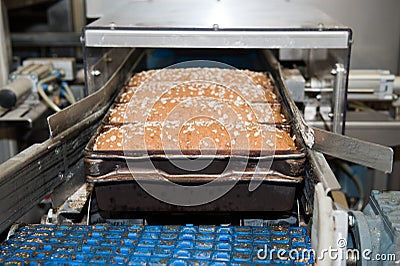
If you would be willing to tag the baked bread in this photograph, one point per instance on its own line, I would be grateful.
(199, 134)
(216, 75)
(154, 102)
(197, 89)
(167, 109)
(192, 110)
(129, 93)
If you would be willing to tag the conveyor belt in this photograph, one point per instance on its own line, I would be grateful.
(154, 245)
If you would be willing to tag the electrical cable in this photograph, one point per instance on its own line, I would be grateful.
(65, 94)
(41, 87)
(71, 97)
(48, 101)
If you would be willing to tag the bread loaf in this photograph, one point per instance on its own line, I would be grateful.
(196, 109)
(204, 134)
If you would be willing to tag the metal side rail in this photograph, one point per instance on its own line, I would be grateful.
(56, 165)
(156, 245)
(28, 177)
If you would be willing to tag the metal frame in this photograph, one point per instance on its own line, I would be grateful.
(216, 24)
(260, 39)
(221, 24)
(338, 94)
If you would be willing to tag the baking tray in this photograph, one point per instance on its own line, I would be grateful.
(122, 197)
(100, 164)
(117, 190)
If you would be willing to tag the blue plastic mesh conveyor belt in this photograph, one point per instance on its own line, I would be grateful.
(156, 245)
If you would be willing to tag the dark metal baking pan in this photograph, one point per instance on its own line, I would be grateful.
(100, 163)
(130, 197)
(98, 168)
(118, 191)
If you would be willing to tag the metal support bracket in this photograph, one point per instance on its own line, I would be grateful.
(339, 98)
(357, 151)
(354, 150)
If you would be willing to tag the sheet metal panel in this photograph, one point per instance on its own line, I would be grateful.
(216, 24)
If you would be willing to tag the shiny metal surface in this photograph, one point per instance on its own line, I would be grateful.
(204, 14)
(354, 150)
(381, 132)
(319, 168)
(215, 39)
(216, 24)
(371, 43)
(322, 169)
(339, 99)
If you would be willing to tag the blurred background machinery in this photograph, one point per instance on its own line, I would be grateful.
(42, 46)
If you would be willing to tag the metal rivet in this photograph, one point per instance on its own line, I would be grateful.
(95, 72)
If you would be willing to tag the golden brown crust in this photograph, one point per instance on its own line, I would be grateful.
(167, 110)
(155, 102)
(198, 134)
(217, 75)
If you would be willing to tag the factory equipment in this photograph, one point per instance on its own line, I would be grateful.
(29, 81)
(34, 91)
(371, 115)
(80, 229)
(371, 101)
